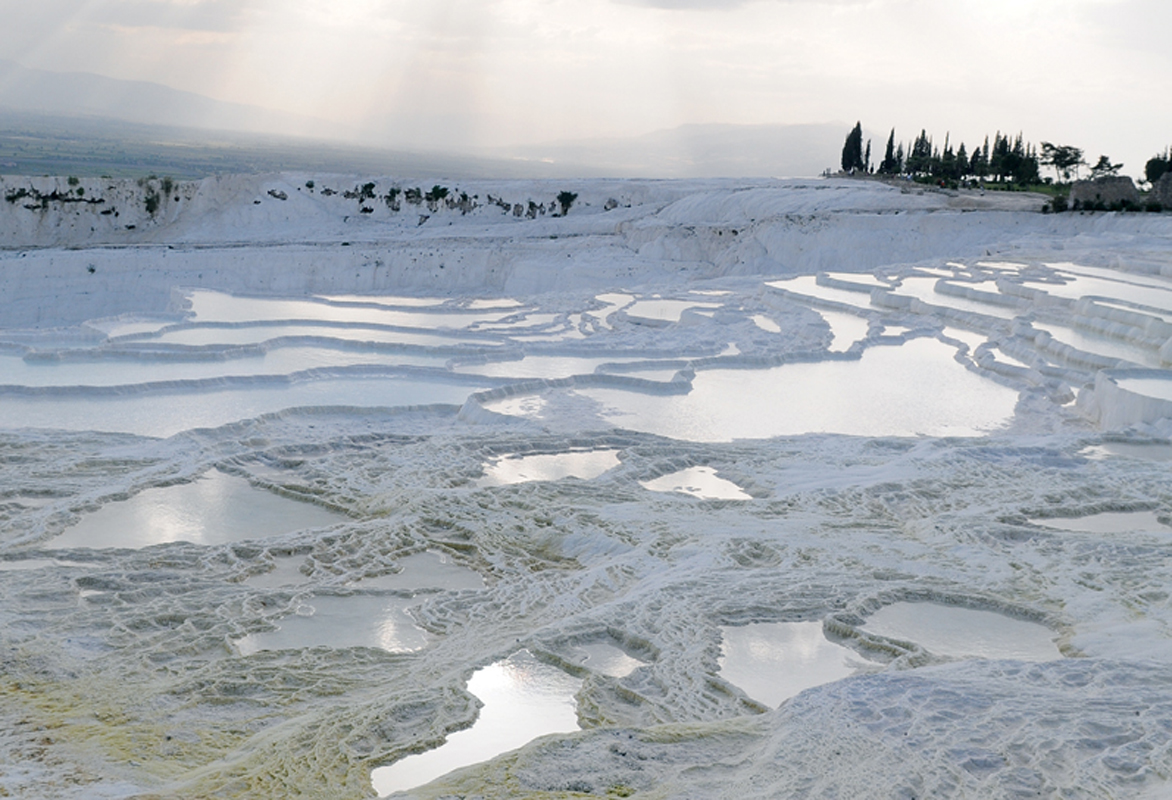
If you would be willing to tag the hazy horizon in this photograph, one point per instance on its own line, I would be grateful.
(495, 75)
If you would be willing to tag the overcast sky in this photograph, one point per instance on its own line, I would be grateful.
(449, 73)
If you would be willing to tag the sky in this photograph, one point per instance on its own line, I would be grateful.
(449, 74)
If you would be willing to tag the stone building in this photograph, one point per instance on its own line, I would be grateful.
(1162, 191)
(1115, 189)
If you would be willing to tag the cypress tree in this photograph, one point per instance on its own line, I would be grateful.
(852, 150)
(889, 167)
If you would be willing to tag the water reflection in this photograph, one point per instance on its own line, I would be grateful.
(523, 699)
(964, 632)
(215, 509)
(1107, 522)
(338, 622)
(698, 482)
(606, 659)
(773, 661)
(583, 464)
(914, 389)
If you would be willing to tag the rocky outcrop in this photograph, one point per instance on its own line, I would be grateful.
(1107, 191)
(1162, 191)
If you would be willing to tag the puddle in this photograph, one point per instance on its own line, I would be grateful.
(912, 389)
(846, 329)
(964, 632)
(606, 659)
(1160, 388)
(1108, 522)
(255, 334)
(773, 661)
(357, 621)
(1123, 287)
(166, 413)
(40, 563)
(971, 338)
(664, 310)
(526, 322)
(523, 700)
(698, 482)
(114, 328)
(1100, 346)
(865, 280)
(806, 286)
(125, 372)
(384, 299)
(614, 302)
(210, 306)
(1004, 358)
(215, 509)
(500, 302)
(427, 570)
(925, 289)
(1143, 452)
(541, 366)
(584, 464)
(765, 323)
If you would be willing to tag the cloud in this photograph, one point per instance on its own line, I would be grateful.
(722, 5)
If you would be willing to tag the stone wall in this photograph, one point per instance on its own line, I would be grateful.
(1106, 190)
(1162, 191)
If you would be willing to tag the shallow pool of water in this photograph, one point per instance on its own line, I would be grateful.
(846, 329)
(698, 482)
(665, 310)
(215, 509)
(39, 563)
(583, 464)
(167, 413)
(958, 632)
(606, 659)
(1118, 286)
(1141, 451)
(210, 306)
(426, 570)
(765, 323)
(541, 366)
(356, 621)
(523, 700)
(1100, 345)
(925, 290)
(613, 302)
(807, 287)
(913, 389)
(1149, 387)
(385, 299)
(254, 334)
(1107, 522)
(773, 661)
(128, 371)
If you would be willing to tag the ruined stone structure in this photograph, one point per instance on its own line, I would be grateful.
(1162, 191)
(1116, 189)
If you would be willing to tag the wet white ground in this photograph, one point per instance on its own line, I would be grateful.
(737, 524)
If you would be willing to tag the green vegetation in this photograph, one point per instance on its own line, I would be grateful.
(151, 202)
(436, 193)
(852, 150)
(1158, 165)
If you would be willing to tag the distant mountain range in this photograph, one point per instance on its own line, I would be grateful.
(85, 94)
(699, 151)
(75, 103)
